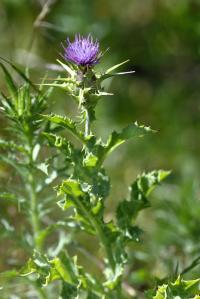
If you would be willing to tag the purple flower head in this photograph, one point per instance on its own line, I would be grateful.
(82, 51)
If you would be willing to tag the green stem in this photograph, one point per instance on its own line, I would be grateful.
(34, 215)
(102, 237)
(35, 221)
(105, 243)
(103, 240)
(87, 123)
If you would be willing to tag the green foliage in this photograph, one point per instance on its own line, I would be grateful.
(179, 289)
(85, 190)
(128, 210)
(162, 42)
(82, 188)
(65, 122)
(62, 268)
(23, 107)
(176, 217)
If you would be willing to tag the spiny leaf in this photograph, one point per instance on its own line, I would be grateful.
(65, 123)
(146, 182)
(71, 72)
(59, 142)
(63, 268)
(186, 287)
(86, 205)
(76, 195)
(71, 187)
(178, 289)
(66, 267)
(116, 66)
(134, 130)
(131, 131)
(139, 191)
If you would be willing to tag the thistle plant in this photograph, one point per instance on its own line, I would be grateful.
(45, 158)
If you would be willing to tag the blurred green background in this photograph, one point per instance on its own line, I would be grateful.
(162, 40)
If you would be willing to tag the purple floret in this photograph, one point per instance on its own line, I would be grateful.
(82, 51)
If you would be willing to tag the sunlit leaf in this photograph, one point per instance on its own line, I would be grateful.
(183, 289)
(65, 123)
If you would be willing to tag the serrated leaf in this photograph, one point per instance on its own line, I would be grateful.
(185, 287)
(131, 131)
(127, 210)
(63, 268)
(178, 289)
(67, 123)
(78, 197)
(60, 143)
(143, 186)
(66, 267)
(71, 187)
(39, 264)
(161, 293)
(81, 193)
(49, 270)
(116, 139)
